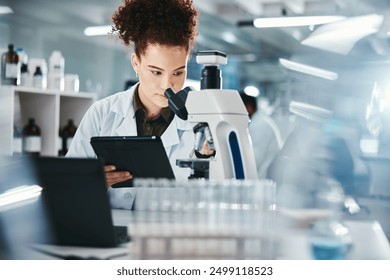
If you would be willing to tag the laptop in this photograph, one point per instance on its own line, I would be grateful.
(142, 156)
(75, 198)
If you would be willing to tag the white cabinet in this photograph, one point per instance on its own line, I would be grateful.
(51, 110)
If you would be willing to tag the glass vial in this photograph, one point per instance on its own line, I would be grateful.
(10, 67)
(24, 76)
(38, 78)
(32, 138)
(68, 132)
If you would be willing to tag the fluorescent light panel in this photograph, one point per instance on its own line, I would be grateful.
(340, 37)
(310, 112)
(19, 194)
(306, 69)
(295, 21)
(97, 30)
(252, 91)
(5, 10)
(229, 37)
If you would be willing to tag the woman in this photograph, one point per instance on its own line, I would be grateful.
(162, 33)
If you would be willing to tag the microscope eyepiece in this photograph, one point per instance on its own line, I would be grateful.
(176, 101)
(211, 76)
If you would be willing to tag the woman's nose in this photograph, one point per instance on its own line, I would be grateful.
(167, 83)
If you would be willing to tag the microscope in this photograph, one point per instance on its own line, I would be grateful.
(220, 117)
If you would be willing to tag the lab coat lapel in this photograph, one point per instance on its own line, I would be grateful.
(125, 123)
(126, 127)
(171, 135)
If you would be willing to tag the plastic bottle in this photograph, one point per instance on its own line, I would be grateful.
(55, 78)
(23, 58)
(10, 67)
(72, 82)
(32, 143)
(68, 131)
(38, 78)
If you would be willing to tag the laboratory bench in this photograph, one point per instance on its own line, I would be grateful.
(368, 243)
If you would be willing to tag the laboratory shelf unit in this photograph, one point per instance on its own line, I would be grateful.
(51, 110)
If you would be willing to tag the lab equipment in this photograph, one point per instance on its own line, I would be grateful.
(330, 238)
(220, 117)
(55, 77)
(10, 67)
(32, 139)
(204, 219)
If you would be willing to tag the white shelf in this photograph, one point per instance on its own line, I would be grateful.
(50, 108)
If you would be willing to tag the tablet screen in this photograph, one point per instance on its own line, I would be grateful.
(142, 156)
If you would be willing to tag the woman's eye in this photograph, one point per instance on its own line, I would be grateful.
(156, 72)
(178, 73)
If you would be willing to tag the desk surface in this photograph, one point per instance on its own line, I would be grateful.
(369, 240)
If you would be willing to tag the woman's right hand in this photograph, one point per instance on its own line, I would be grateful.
(113, 176)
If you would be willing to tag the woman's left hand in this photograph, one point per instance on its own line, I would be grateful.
(206, 151)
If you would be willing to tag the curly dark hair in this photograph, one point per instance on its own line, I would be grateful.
(162, 22)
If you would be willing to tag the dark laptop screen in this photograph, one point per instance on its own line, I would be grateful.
(76, 201)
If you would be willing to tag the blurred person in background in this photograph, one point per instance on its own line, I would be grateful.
(265, 134)
(250, 103)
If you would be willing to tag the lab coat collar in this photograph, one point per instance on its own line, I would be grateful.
(172, 134)
(123, 106)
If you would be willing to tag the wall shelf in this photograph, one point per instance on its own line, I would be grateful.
(50, 108)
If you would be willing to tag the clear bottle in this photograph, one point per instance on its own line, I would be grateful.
(68, 132)
(38, 78)
(56, 73)
(32, 141)
(10, 67)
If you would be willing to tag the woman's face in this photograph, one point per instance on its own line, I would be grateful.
(161, 67)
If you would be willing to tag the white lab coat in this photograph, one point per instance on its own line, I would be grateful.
(114, 116)
(266, 141)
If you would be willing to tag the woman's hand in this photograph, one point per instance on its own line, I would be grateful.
(206, 149)
(113, 176)
(205, 152)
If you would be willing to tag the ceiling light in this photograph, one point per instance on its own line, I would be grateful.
(252, 91)
(19, 194)
(310, 112)
(5, 10)
(340, 37)
(295, 21)
(97, 30)
(229, 37)
(306, 69)
(248, 57)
